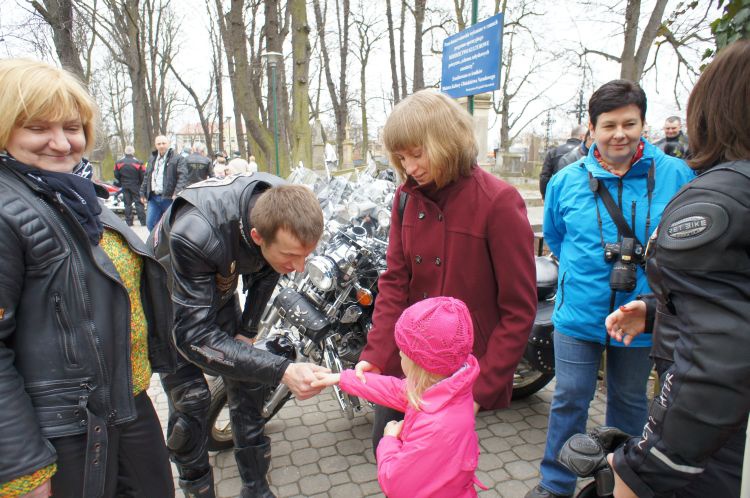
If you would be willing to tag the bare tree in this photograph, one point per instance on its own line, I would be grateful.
(419, 13)
(369, 33)
(338, 97)
(392, 52)
(59, 14)
(301, 137)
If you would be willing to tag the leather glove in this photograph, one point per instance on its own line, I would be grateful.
(586, 455)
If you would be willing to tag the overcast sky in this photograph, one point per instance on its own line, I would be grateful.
(565, 26)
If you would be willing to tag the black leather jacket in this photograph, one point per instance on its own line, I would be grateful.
(64, 326)
(199, 168)
(551, 160)
(204, 242)
(129, 173)
(175, 174)
(699, 270)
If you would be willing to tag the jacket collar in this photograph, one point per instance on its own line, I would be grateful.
(462, 381)
(639, 169)
(429, 191)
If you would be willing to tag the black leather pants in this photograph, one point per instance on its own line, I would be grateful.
(187, 433)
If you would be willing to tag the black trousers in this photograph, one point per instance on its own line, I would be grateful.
(129, 197)
(136, 455)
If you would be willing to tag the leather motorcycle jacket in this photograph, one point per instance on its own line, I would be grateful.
(64, 326)
(175, 174)
(699, 270)
(204, 241)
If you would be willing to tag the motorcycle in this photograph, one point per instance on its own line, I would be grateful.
(324, 314)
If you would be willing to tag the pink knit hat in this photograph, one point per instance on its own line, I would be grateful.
(436, 334)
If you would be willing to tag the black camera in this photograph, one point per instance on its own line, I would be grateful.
(626, 255)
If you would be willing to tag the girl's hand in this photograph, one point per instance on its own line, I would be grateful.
(627, 322)
(42, 491)
(325, 379)
(393, 428)
(362, 367)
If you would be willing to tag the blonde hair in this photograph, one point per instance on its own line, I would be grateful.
(418, 380)
(32, 90)
(441, 127)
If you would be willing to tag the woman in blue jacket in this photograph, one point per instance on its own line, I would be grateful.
(579, 229)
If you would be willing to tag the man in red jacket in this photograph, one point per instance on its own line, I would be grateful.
(463, 234)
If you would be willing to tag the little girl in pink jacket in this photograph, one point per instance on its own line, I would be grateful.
(433, 452)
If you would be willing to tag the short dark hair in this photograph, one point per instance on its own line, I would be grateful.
(717, 109)
(672, 119)
(616, 94)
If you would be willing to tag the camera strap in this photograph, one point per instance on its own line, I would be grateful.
(615, 213)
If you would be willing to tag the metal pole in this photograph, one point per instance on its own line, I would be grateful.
(275, 116)
(474, 14)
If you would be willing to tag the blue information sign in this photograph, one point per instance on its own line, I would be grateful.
(471, 59)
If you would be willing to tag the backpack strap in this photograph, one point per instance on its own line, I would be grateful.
(402, 198)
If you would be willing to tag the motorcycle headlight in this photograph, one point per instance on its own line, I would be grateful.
(384, 217)
(322, 272)
(352, 210)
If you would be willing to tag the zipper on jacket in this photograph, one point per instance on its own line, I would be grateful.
(562, 291)
(78, 267)
(69, 340)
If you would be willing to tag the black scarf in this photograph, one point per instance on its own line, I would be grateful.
(76, 192)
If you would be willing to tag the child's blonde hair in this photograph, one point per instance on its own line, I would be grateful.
(418, 380)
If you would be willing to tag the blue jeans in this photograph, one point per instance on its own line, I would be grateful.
(157, 206)
(576, 367)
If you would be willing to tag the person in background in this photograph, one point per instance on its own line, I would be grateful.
(198, 164)
(166, 174)
(434, 451)
(698, 266)
(252, 165)
(82, 325)
(552, 164)
(456, 231)
(129, 173)
(237, 166)
(578, 153)
(600, 269)
(675, 142)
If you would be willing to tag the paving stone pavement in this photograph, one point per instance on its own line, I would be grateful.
(317, 452)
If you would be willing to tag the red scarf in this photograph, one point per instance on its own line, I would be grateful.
(636, 157)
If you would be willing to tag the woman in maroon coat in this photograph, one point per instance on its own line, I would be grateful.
(461, 233)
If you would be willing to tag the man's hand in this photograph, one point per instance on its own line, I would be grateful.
(626, 322)
(143, 200)
(42, 491)
(393, 428)
(362, 367)
(326, 379)
(299, 377)
(622, 490)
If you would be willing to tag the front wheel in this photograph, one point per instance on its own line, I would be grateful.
(527, 380)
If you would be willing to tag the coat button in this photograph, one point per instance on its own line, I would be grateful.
(418, 259)
(437, 261)
(440, 217)
(421, 215)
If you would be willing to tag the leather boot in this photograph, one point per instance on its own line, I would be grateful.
(202, 487)
(253, 463)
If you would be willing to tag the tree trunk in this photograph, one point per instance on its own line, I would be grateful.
(392, 47)
(59, 15)
(419, 11)
(301, 131)
(401, 43)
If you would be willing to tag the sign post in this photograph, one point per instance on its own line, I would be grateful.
(471, 59)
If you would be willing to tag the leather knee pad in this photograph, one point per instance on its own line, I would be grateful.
(187, 434)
